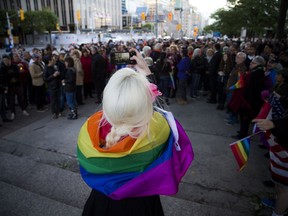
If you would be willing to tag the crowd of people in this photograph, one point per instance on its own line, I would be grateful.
(232, 75)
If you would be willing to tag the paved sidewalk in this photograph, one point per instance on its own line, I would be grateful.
(40, 174)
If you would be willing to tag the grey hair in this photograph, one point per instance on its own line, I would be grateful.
(244, 55)
(259, 60)
(146, 49)
(225, 49)
(196, 52)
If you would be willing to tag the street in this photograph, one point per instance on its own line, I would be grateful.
(40, 174)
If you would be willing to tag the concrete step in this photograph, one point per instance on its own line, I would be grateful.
(16, 201)
(173, 206)
(26, 177)
(52, 182)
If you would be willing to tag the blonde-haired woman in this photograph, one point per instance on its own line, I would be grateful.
(128, 153)
(76, 55)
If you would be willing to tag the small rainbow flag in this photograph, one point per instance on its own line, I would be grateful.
(239, 83)
(241, 150)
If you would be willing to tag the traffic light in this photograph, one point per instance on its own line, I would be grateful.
(195, 31)
(22, 15)
(143, 16)
(57, 26)
(78, 14)
(170, 16)
(178, 27)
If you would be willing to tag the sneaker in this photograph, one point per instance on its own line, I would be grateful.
(54, 116)
(270, 203)
(12, 116)
(25, 113)
(41, 110)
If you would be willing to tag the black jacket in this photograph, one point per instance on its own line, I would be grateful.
(98, 67)
(11, 74)
(254, 87)
(54, 83)
(70, 80)
(214, 64)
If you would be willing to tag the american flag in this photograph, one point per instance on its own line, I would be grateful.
(277, 109)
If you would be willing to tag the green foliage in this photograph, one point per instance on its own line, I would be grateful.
(38, 21)
(255, 15)
(14, 20)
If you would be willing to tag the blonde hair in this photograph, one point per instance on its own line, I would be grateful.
(127, 105)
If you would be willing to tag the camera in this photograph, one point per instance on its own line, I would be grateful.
(122, 57)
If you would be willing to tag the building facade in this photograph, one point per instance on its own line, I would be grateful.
(86, 14)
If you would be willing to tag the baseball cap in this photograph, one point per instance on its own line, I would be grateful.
(55, 52)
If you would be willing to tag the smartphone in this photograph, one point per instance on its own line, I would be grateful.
(122, 57)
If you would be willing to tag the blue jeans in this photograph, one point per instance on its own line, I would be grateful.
(70, 99)
(194, 84)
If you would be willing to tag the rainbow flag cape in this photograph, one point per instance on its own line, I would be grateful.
(239, 83)
(150, 165)
(241, 149)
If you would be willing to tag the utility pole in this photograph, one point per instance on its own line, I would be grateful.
(156, 21)
(10, 31)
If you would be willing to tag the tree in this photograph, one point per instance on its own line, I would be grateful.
(49, 21)
(283, 6)
(256, 16)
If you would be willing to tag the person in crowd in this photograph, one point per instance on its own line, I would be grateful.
(11, 74)
(163, 68)
(251, 53)
(36, 70)
(69, 83)
(204, 79)
(281, 87)
(213, 73)
(268, 49)
(183, 67)
(88, 80)
(24, 76)
(278, 160)
(270, 72)
(190, 51)
(198, 66)
(224, 70)
(52, 76)
(99, 73)
(118, 131)
(251, 102)
(59, 58)
(174, 57)
(76, 55)
(233, 95)
(3, 92)
(155, 54)
(146, 51)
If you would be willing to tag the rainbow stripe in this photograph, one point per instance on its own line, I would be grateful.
(241, 149)
(239, 83)
(134, 167)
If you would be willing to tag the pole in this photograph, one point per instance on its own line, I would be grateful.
(131, 27)
(156, 21)
(10, 31)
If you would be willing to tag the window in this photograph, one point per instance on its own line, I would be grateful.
(28, 5)
(56, 7)
(36, 5)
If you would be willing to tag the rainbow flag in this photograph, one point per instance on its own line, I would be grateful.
(241, 149)
(150, 165)
(239, 83)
